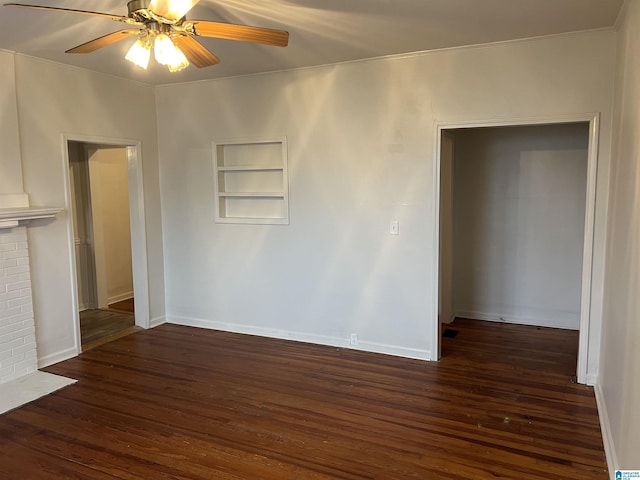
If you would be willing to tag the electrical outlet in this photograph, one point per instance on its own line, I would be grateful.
(353, 340)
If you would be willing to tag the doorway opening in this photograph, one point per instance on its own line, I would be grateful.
(108, 246)
(515, 215)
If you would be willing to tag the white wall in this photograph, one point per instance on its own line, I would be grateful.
(54, 100)
(520, 196)
(11, 192)
(100, 197)
(110, 209)
(619, 391)
(361, 148)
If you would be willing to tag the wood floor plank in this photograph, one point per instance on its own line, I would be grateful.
(96, 325)
(127, 305)
(179, 402)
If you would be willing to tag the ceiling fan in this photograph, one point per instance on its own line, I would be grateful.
(163, 28)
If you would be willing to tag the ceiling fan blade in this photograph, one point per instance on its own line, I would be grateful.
(244, 33)
(171, 9)
(117, 18)
(96, 43)
(195, 52)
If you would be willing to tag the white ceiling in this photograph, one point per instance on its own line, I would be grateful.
(321, 31)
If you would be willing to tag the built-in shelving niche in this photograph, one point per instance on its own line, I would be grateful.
(251, 184)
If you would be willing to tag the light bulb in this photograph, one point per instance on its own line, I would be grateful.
(139, 53)
(180, 64)
(168, 54)
(173, 9)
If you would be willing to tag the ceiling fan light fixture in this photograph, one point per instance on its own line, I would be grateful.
(163, 27)
(139, 53)
(171, 9)
(176, 67)
(168, 54)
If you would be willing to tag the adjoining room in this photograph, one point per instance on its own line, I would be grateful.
(513, 206)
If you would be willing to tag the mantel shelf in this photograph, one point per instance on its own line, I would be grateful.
(12, 217)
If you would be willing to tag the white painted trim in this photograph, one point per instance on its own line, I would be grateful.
(120, 297)
(587, 264)
(386, 349)
(552, 321)
(13, 217)
(434, 346)
(71, 245)
(138, 227)
(587, 255)
(154, 322)
(605, 427)
(282, 140)
(58, 357)
(587, 117)
(372, 347)
(140, 264)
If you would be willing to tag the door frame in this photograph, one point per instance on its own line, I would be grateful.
(138, 226)
(593, 119)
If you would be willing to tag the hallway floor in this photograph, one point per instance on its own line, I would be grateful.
(98, 327)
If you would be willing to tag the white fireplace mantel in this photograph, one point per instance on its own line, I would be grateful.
(20, 380)
(13, 217)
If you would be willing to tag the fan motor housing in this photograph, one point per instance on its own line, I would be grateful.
(138, 8)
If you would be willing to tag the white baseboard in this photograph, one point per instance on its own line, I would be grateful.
(56, 357)
(302, 337)
(592, 379)
(447, 321)
(386, 349)
(120, 297)
(62, 355)
(605, 426)
(154, 322)
(552, 320)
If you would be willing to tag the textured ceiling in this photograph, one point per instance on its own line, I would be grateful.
(321, 31)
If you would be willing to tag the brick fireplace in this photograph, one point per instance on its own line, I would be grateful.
(20, 380)
(18, 354)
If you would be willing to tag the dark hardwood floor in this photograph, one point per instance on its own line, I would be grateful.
(98, 327)
(185, 403)
(127, 305)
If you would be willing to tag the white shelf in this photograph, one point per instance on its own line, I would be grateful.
(251, 181)
(257, 221)
(252, 194)
(249, 168)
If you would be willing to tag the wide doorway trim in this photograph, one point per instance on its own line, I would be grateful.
(593, 119)
(138, 226)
